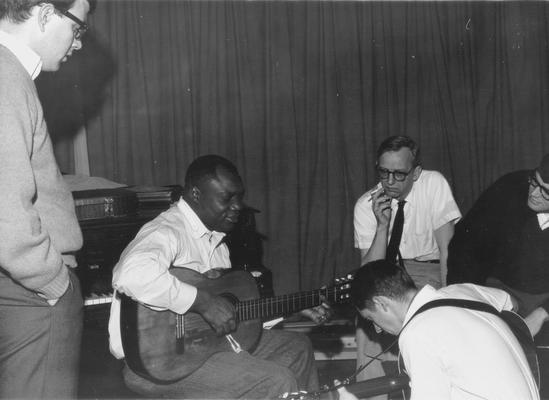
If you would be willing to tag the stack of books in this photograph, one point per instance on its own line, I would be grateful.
(152, 200)
(104, 203)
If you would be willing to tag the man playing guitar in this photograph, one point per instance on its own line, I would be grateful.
(189, 236)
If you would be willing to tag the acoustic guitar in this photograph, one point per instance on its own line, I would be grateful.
(364, 389)
(165, 347)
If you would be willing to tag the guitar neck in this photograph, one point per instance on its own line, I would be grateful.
(365, 389)
(273, 307)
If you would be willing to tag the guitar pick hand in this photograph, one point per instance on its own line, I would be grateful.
(216, 310)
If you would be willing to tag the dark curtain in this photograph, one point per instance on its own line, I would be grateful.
(299, 95)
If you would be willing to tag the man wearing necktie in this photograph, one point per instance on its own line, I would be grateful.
(407, 218)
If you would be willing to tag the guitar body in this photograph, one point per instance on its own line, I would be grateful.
(151, 346)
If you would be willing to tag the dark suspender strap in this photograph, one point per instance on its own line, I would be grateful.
(463, 303)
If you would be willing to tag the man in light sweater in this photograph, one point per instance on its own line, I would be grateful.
(40, 298)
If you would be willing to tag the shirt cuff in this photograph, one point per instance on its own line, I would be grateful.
(57, 286)
(186, 299)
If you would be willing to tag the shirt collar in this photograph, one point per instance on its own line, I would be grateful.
(425, 295)
(26, 56)
(543, 220)
(197, 227)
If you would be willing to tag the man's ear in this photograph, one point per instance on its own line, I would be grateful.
(46, 11)
(195, 194)
(381, 302)
(417, 172)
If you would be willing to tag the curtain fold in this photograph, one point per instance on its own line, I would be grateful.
(299, 94)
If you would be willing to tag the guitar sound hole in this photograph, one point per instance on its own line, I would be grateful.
(231, 298)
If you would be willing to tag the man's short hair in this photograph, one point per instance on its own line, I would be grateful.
(205, 168)
(17, 11)
(379, 278)
(395, 143)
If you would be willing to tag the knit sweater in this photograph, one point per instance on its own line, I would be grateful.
(500, 237)
(39, 231)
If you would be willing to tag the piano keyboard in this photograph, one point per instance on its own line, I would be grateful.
(96, 299)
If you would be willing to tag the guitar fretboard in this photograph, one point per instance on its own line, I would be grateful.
(273, 307)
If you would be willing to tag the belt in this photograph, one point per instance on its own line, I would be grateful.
(428, 261)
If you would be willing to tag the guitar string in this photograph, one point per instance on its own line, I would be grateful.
(251, 309)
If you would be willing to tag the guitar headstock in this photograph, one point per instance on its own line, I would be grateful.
(301, 395)
(364, 389)
(340, 292)
(327, 392)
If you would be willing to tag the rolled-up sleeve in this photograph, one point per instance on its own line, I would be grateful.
(143, 271)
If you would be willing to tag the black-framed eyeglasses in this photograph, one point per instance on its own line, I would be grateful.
(535, 184)
(399, 176)
(82, 26)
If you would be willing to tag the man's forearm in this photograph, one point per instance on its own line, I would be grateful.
(378, 249)
(443, 235)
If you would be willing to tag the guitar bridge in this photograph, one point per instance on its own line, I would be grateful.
(234, 344)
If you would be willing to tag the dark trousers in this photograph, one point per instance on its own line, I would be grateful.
(39, 343)
(283, 362)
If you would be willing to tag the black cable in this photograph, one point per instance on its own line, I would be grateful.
(352, 378)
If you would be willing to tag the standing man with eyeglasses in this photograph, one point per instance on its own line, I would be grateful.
(427, 211)
(503, 241)
(40, 297)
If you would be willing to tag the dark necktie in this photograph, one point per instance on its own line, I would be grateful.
(396, 234)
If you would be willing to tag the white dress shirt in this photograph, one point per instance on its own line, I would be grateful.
(460, 354)
(429, 205)
(176, 238)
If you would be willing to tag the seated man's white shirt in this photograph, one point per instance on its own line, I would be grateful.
(456, 353)
(429, 205)
(177, 238)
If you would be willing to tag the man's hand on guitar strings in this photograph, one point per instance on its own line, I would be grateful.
(216, 310)
(319, 314)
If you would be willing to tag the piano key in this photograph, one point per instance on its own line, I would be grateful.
(95, 299)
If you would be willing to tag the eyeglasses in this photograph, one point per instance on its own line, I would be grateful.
(398, 176)
(82, 26)
(535, 184)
